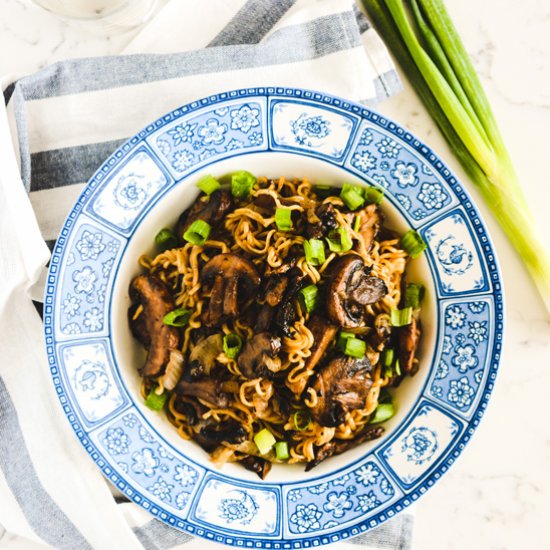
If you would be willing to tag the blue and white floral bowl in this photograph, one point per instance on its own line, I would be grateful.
(143, 187)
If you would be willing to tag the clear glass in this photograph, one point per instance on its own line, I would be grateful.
(108, 14)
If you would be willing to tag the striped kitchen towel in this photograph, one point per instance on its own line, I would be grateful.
(59, 125)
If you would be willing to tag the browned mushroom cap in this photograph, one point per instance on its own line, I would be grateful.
(275, 287)
(232, 276)
(320, 222)
(258, 465)
(323, 332)
(408, 337)
(211, 436)
(341, 386)
(210, 209)
(208, 389)
(370, 221)
(259, 356)
(350, 289)
(336, 447)
(151, 293)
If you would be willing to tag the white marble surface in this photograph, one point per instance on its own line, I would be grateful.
(497, 496)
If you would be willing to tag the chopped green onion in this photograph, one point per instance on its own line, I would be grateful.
(208, 184)
(242, 183)
(283, 219)
(198, 232)
(309, 296)
(356, 223)
(383, 412)
(401, 317)
(264, 441)
(388, 357)
(301, 420)
(374, 195)
(281, 450)
(232, 344)
(397, 367)
(155, 401)
(414, 293)
(352, 195)
(166, 240)
(342, 337)
(339, 240)
(177, 317)
(412, 243)
(314, 250)
(354, 347)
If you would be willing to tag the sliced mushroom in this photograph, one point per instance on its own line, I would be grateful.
(234, 279)
(259, 356)
(258, 465)
(286, 314)
(341, 386)
(370, 221)
(191, 408)
(323, 332)
(321, 221)
(350, 288)
(264, 318)
(159, 339)
(338, 446)
(212, 436)
(203, 356)
(408, 337)
(210, 209)
(275, 287)
(208, 389)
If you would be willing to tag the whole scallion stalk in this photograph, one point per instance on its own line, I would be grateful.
(425, 43)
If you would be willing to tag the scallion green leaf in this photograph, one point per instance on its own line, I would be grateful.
(232, 344)
(309, 296)
(388, 357)
(374, 195)
(414, 293)
(208, 184)
(339, 240)
(401, 317)
(154, 401)
(165, 239)
(314, 250)
(264, 441)
(354, 347)
(301, 420)
(352, 195)
(412, 243)
(177, 318)
(283, 219)
(281, 450)
(198, 232)
(383, 412)
(242, 183)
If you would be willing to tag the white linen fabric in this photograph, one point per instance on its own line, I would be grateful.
(58, 126)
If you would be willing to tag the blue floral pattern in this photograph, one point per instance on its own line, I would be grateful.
(211, 133)
(422, 441)
(465, 347)
(147, 462)
(85, 283)
(317, 507)
(417, 189)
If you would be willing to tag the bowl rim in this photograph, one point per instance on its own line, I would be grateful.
(493, 274)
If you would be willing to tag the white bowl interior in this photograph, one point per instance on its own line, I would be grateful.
(129, 355)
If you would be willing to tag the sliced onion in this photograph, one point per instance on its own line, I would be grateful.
(174, 370)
